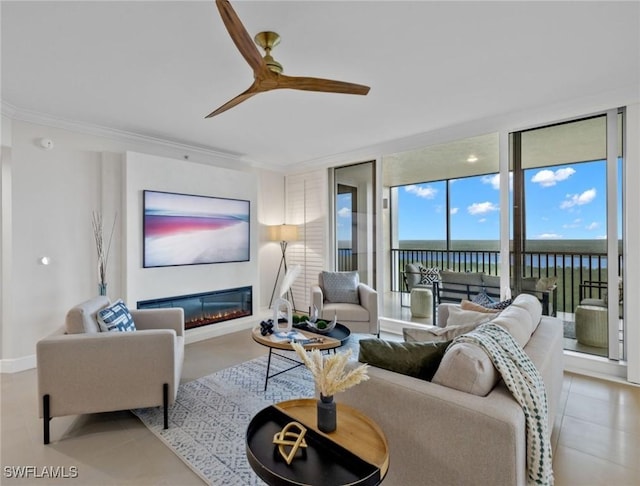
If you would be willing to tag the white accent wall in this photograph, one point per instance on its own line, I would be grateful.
(47, 199)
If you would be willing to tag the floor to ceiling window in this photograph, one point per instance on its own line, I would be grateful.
(444, 207)
(567, 226)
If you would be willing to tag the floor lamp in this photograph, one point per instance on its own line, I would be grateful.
(284, 233)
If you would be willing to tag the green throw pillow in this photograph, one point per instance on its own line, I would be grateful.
(420, 360)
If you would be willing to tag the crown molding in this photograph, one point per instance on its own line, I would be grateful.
(16, 113)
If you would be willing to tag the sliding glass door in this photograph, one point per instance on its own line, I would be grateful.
(354, 220)
(567, 227)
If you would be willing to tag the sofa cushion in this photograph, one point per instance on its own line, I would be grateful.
(82, 318)
(492, 281)
(412, 274)
(472, 306)
(459, 316)
(345, 312)
(341, 286)
(532, 305)
(116, 317)
(517, 322)
(436, 334)
(546, 283)
(457, 284)
(466, 367)
(419, 360)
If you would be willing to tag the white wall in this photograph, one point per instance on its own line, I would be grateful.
(170, 175)
(47, 199)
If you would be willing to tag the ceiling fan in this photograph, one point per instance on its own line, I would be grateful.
(267, 72)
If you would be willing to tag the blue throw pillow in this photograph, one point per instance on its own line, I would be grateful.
(116, 317)
(483, 299)
(499, 305)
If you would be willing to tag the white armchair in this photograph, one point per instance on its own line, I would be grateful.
(361, 317)
(82, 370)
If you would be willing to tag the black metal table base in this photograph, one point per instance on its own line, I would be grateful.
(297, 365)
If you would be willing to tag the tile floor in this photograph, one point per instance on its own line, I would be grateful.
(596, 438)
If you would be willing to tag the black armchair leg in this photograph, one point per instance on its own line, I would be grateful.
(165, 404)
(46, 418)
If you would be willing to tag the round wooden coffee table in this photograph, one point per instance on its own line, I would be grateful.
(356, 453)
(333, 340)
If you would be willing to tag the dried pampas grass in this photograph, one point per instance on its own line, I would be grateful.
(329, 371)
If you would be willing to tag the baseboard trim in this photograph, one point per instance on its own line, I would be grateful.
(16, 365)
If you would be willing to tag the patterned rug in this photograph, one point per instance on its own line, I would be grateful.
(208, 422)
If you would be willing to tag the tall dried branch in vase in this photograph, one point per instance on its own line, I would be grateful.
(329, 371)
(103, 247)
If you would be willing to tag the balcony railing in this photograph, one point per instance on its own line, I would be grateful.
(571, 269)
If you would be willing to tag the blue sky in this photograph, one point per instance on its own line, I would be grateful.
(562, 202)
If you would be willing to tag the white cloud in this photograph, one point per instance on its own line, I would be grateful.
(575, 224)
(454, 210)
(482, 220)
(548, 236)
(601, 237)
(592, 226)
(494, 181)
(482, 208)
(548, 178)
(427, 192)
(579, 199)
(344, 212)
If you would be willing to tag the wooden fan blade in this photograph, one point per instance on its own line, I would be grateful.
(253, 90)
(324, 85)
(240, 36)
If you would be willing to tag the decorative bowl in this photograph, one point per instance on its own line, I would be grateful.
(313, 326)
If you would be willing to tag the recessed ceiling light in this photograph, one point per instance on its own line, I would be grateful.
(472, 159)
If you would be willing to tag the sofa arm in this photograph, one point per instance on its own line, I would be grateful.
(317, 299)
(369, 300)
(146, 319)
(86, 373)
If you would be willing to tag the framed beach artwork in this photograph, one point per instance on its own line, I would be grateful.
(184, 229)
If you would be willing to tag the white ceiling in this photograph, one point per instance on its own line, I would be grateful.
(156, 68)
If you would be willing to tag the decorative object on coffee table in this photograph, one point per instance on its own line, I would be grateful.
(357, 453)
(103, 248)
(330, 378)
(282, 439)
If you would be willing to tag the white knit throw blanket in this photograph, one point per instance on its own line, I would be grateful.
(525, 383)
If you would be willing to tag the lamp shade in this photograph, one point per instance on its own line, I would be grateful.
(283, 232)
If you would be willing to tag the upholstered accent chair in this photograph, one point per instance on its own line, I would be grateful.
(83, 370)
(355, 304)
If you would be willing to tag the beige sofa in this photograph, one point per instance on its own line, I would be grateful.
(82, 370)
(443, 436)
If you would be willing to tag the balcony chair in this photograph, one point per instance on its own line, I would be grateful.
(83, 370)
(341, 294)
